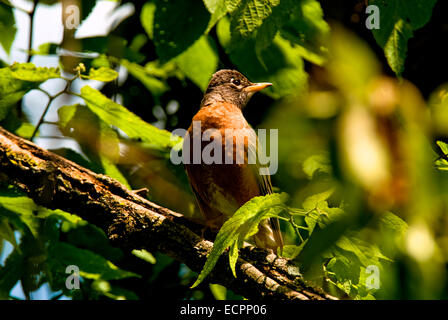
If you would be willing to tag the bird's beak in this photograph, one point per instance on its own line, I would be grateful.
(257, 86)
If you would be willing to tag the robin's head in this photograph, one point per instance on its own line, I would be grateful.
(231, 86)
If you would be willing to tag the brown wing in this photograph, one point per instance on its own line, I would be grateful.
(265, 187)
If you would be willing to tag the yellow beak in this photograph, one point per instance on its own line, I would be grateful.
(257, 86)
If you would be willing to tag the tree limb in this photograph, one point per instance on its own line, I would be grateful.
(132, 222)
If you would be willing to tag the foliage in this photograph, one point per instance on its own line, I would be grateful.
(361, 188)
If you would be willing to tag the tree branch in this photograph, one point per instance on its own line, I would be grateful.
(132, 222)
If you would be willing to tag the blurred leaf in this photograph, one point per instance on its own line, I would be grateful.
(102, 74)
(144, 255)
(307, 28)
(174, 30)
(153, 84)
(398, 21)
(291, 251)
(29, 213)
(313, 201)
(199, 61)
(316, 163)
(368, 254)
(218, 291)
(29, 72)
(217, 9)
(92, 238)
(10, 273)
(242, 224)
(147, 18)
(117, 115)
(6, 232)
(46, 49)
(7, 27)
(91, 265)
(13, 88)
(100, 143)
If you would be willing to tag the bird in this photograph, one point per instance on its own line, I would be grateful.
(222, 188)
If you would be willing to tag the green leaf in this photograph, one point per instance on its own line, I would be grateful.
(368, 254)
(118, 116)
(6, 232)
(10, 273)
(443, 146)
(91, 265)
(281, 65)
(398, 20)
(175, 30)
(29, 212)
(199, 61)
(307, 28)
(29, 72)
(243, 223)
(153, 84)
(7, 27)
(316, 163)
(217, 9)
(249, 16)
(100, 142)
(17, 80)
(147, 18)
(218, 291)
(102, 74)
(313, 201)
(144, 255)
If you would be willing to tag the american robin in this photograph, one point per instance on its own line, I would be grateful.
(221, 187)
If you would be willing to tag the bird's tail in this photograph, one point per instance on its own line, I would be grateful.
(269, 235)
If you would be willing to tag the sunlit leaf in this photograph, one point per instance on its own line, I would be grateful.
(398, 20)
(114, 114)
(235, 229)
(199, 61)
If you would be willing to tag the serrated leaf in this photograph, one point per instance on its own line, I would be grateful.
(249, 16)
(398, 20)
(236, 227)
(114, 114)
(102, 74)
(281, 65)
(199, 62)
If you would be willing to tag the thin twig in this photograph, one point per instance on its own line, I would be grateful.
(47, 107)
(30, 38)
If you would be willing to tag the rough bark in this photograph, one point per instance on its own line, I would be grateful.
(133, 222)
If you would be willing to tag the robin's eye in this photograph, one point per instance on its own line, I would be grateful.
(235, 81)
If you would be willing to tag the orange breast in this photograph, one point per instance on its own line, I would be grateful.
(223, 188)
